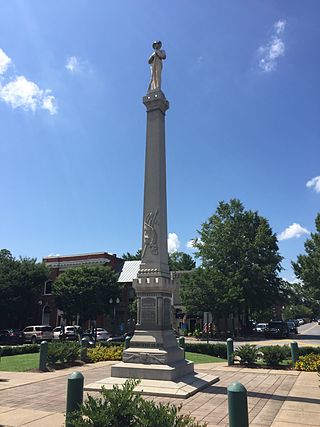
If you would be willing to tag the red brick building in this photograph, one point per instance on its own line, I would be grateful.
(49, 314)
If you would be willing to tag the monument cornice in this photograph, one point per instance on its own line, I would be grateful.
(156, 100)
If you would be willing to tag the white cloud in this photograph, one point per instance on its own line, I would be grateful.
(73, 64)
(26, 94)
(280, 26)
(275, 48)
(190, 244)
(315, 183)
(5, 61)
(292, 280)
(173, 243)
(294, 230)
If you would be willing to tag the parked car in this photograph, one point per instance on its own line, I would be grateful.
(38, 333)
(292, 327)
(102, 334)
(119, 338)
(71, 333)
(300, 322)
(260, 327)
(277, 328)
(11, 336)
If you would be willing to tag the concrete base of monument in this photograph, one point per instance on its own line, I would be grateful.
(181, 388)
(153, 371)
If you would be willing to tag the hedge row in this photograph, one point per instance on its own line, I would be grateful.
(63, 352)
(217, 350)
(21, 349)
(303, 351)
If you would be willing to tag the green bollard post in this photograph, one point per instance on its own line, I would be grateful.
(43, 356)
(294, 353)
(230, 351)
(74, 394)
(238, 405)
(84, 348)
(127, 342)
(182, 344)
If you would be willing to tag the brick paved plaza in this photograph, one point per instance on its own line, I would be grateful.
(275, 398)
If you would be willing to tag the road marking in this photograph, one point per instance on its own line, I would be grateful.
(307, 330)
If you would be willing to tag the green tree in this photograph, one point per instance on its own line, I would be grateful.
(240, 262)
(86, 291)
(307, 267)
(297, 312)
(21, 281)
(180, 261)
(205, 290)
(132, 257)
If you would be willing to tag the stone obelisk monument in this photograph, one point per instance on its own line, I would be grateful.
(154, 353)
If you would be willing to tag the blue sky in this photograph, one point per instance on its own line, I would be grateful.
(242, 79)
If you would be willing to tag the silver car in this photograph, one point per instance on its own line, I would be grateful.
(38, 333)
(102, 334)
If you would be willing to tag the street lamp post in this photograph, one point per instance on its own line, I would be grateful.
(115, 302)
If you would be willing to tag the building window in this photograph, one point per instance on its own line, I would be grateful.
(48, 287)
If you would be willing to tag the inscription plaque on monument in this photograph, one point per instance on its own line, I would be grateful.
(148, 312)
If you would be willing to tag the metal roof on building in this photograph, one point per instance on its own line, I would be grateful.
(129, 271)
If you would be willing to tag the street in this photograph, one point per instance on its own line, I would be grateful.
(309, 335)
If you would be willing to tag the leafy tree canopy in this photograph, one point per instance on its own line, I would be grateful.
(21, 281)
(86, 291)
(307, 266)
(132, 257)
(240, 262)
(180, 261)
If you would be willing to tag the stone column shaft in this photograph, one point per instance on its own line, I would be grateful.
(154, 233)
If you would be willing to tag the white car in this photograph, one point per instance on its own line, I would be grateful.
(102, 334)
(300, 322)
(260, 327)
(70, 333)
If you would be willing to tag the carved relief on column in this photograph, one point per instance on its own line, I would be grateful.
(150, 235)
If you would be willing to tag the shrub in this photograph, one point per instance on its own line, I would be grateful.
(286, 350)
(63, 352)
(100, 353)
(197, 333)
(110, 344)
(120, 407)
(21, 349)
(217, 350)
(303, 351)
(247, 353)
(274, 354)
(309, 363)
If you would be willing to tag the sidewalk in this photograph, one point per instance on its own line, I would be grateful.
(275, 398)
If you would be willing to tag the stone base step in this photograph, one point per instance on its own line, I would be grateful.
(182, 388)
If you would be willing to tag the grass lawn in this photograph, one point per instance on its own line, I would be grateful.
(202, 358)
(20, 362)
